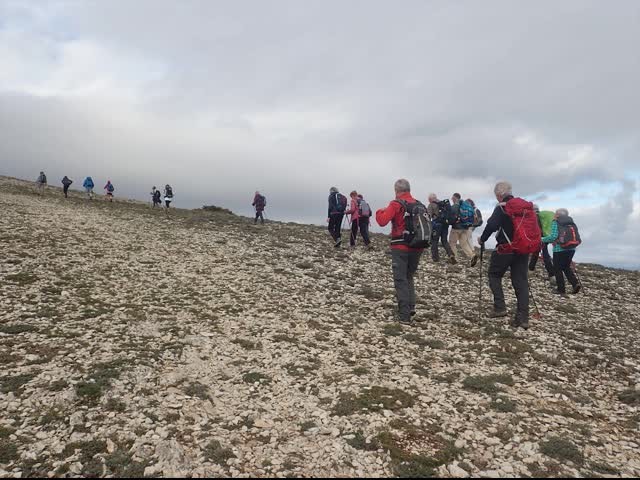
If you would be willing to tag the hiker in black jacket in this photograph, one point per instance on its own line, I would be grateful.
(66, 183)
(337, 207)
(501, 223)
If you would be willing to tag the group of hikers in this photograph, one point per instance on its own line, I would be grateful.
(109, 190)
(522, 233)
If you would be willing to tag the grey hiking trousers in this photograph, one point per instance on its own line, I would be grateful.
(404, 266)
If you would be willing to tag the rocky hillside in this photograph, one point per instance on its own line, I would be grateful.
(136, 343)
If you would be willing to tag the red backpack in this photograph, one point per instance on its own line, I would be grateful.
(526, 230)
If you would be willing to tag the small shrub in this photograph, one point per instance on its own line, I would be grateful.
(17, 329)
(486, 383)
(373, 400)
(630, 397)
(308, 425)
(214, 453)
(504, 404)
(562, 449)
(392, 329)
(8, 451)
(198, 390)
(255, 377)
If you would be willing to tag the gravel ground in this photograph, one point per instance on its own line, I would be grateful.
(196, 344)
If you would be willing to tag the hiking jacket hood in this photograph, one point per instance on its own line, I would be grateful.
(394, 213)
(499, 222)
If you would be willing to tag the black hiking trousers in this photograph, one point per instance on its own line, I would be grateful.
(404, 266)
(362, 225)
(260, 216)
(65, 189)
(335, 225)
(440, 235)
(562, 261)
(548, 263)
(500, 263)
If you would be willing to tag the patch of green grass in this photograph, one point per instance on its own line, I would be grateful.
(562, 449)
(372, 400)
(16, 383)
(121, 465)
(566, 308)
(99, 380)
(8, 451)
(285, 338)
(115, 405)
(87, 450)
(17, 329)
(246, 344)
(630, 397)
(214, 453)
(371, 294)
(504, 404)
(255, 377)
(360, 371)
(58, 386)
(392, 329)
(6, 432)
(198, 390)
(487, 383)
(51, 417)
(603, 467)
(22, 278)
(359, 442)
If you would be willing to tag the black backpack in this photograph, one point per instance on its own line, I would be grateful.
(446, 214)
(341, 203)
(261, 201)
(168, 192)
(417, 225)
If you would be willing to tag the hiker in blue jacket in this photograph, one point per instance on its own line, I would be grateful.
(88, 187)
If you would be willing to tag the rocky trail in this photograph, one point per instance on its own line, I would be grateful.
(197, 344)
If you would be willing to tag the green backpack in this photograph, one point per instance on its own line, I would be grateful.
(546, 219)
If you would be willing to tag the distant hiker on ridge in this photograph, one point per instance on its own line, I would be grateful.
(88, 187)
(156, 197)
(337, 208)
(512, 252)
(41, 182)
(66, 183)
(259, 202)
(168, 195)
(360, 213)
(565, 238)
(109, 189)
(410, 234)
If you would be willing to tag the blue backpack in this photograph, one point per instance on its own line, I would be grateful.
(467, 214)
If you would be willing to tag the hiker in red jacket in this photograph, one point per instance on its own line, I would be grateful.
(405, 260)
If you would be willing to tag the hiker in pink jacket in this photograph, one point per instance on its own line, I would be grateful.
(359, 218)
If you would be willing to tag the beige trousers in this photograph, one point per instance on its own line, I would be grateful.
(464, 237)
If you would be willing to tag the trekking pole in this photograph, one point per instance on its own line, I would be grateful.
(574, 267)
(480, 289)
(537, 314)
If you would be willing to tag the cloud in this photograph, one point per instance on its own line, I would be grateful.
(221, 99)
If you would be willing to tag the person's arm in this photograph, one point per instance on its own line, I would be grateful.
(385, 215)
(332, 199)
(352, 209)
(493, 224)
(553, 236)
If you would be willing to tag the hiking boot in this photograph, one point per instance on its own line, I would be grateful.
(552, 281)
(452, 260)
(338, 243)
(406, 321)
(493, 313)
(524, 324)
(435, 260)
(577, 289)
(412, 313)
(474, 260)
(558, 292)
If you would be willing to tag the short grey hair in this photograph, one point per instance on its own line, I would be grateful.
(402, 185)
(562, 212)
(503, 189)
(333, 190)
(433, 197)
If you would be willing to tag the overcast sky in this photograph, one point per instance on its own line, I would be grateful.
(292, 97)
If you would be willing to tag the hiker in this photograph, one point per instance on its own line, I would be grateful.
(259, 202)
(545, 219)
(168, 195)
(477, 220)
(109, 189)
(156, 197)
(438, 213)
(360, 213)
(41, 182)
(66, 183)
(565, 238)
(410, 234)
(512, 252)
(461, 228)
(337, 208)
(88, 187)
